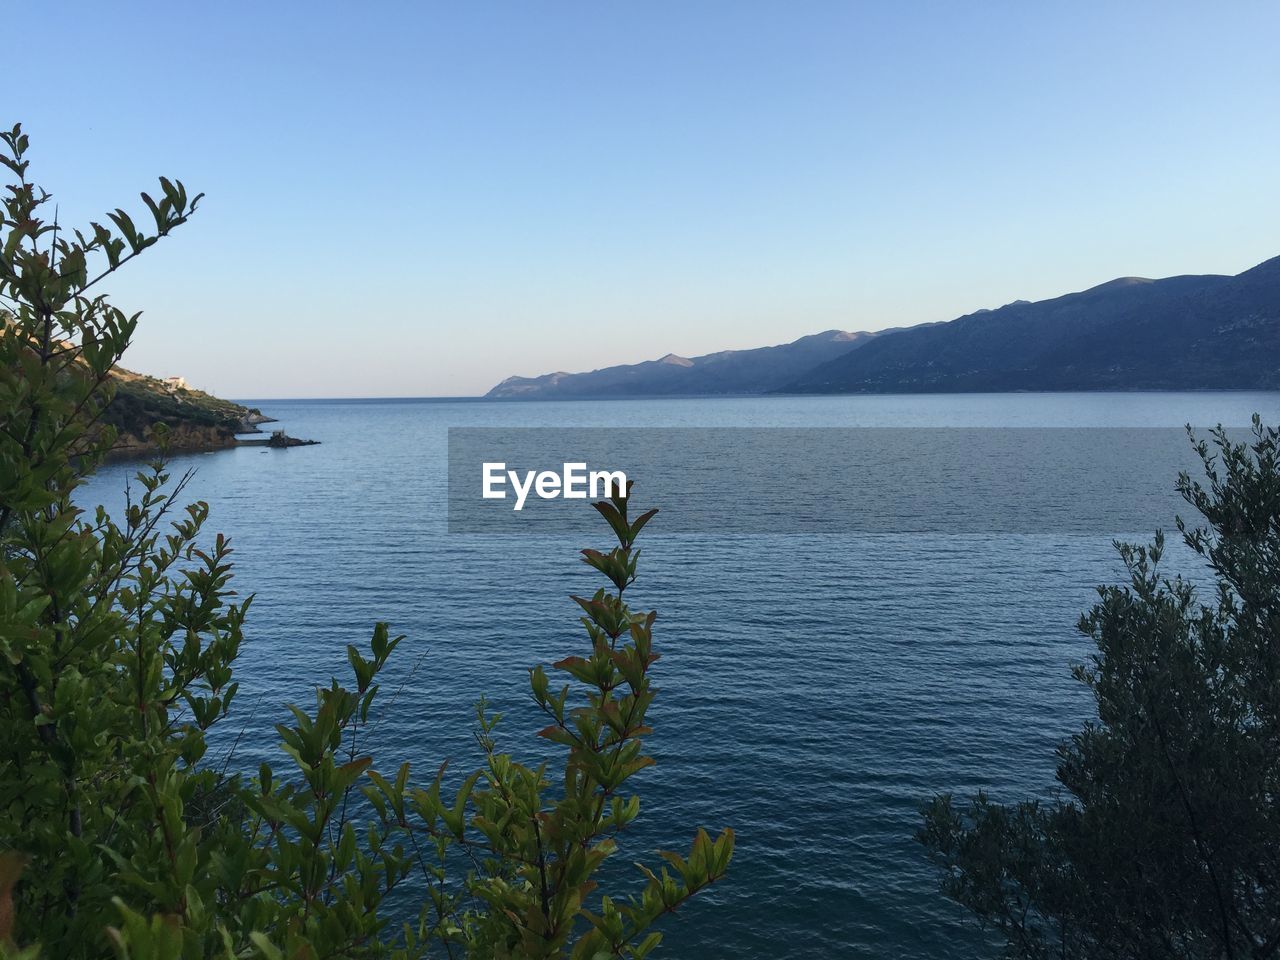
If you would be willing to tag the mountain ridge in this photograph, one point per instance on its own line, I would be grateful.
(1184, 332)
(1192, 331)
(755, 370)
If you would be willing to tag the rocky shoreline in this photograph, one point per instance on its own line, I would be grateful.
(193, 421)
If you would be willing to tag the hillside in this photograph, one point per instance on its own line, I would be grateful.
(727, 372)
(1179, 333)
(196, 420)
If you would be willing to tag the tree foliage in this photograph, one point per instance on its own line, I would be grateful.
(118, 638)
(1166, 842)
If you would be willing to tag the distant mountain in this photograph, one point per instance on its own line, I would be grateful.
(1180, 333)
(727, 372)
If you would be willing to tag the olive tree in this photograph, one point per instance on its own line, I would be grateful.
(1166, 839)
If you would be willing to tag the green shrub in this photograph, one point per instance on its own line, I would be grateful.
(118, 638)
(1167, 840)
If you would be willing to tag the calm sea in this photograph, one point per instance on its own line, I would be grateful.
(814, 689)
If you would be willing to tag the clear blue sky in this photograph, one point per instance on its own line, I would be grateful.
(419, 199)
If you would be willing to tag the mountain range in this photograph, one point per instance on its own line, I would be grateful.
(1179, 333)
(730, 371)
